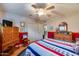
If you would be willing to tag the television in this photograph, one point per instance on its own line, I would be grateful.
(7, 23)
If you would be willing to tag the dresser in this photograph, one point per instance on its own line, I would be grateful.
(10, 36)
(0, 41)
(63, 36)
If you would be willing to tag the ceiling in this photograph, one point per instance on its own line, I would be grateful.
(16, 8)
(25, 9)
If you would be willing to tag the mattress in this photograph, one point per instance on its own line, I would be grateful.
(49, 47)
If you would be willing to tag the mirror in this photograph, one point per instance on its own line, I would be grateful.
(63, 26)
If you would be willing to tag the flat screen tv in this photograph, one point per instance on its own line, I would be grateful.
(7, 23)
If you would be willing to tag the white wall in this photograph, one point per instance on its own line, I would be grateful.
(72, 21)
(1, 16)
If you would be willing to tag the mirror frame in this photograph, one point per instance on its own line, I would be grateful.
(63, 24)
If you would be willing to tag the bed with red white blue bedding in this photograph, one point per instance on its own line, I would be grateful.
(49, 47)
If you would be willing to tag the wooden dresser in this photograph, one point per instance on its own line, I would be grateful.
(10, 37)
(62, 36)
(0, 41)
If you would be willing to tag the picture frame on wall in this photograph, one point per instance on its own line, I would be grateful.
(22, 24)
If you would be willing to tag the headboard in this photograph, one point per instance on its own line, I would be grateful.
(75, 35)
(50, 34)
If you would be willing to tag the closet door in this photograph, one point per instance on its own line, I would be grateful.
(35, 31)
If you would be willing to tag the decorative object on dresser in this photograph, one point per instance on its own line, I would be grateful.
(10, 36)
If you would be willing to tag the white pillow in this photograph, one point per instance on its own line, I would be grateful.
(76, 48)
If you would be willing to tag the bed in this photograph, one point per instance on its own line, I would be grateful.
(49, 47)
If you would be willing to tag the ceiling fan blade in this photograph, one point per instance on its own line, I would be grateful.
(50, 7)
(34, 6)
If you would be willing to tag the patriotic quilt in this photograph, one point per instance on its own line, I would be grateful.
(49, 47)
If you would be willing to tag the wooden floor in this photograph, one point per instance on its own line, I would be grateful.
(18, 51)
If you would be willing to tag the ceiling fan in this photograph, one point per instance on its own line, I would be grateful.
(41, 9)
